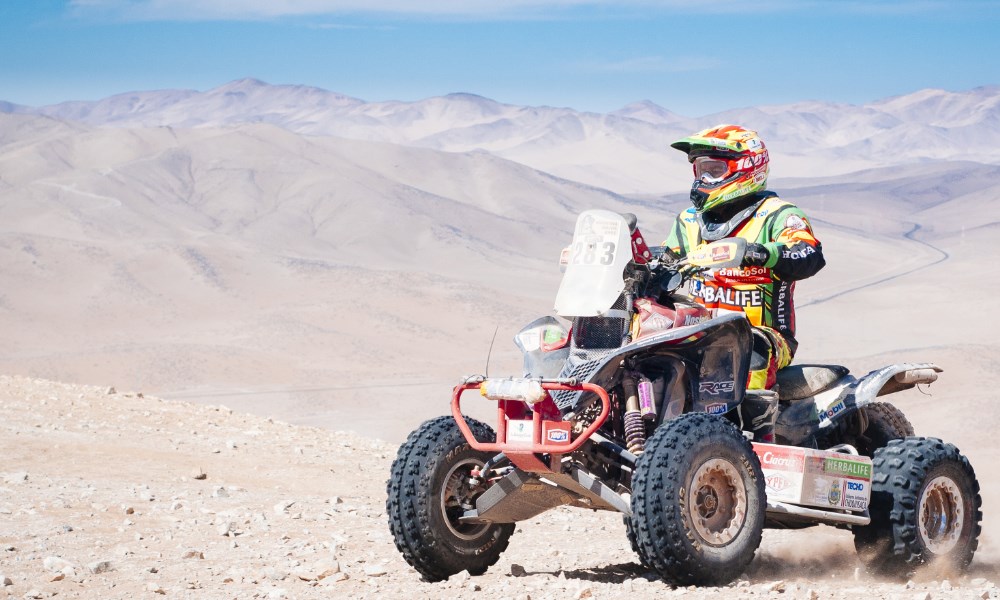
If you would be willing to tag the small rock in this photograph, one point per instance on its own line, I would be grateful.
(812, 594)
(198, 473)
(923, 596)
(220, 492)
(99, 566)
(231, 444)
(277, 593)
(327, 569)
(283, 506)
(375, 570)
(193, 554)
(336, 578)
(585, 592)
(111, 391)
(517, 570)
(54, 563)
(5, 580)
(225, 528)
(154, 587)
(777, 586)
(946, 586)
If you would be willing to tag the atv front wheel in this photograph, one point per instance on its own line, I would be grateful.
(697, 501)
(429, 489)
(925, 508)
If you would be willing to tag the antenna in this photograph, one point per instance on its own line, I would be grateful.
(490, 353)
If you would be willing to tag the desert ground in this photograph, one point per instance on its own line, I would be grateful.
(110, 493)
(215, 335)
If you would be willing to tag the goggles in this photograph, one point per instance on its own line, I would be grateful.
(710, 169)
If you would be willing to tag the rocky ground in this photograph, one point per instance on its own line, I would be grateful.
(110, 494)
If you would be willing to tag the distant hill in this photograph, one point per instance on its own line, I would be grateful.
(626, 150)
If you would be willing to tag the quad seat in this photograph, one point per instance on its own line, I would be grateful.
(796, 382)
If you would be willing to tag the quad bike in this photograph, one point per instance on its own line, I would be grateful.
(641, 408)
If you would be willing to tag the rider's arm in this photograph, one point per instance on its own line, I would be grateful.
(795, 253)
(676, 239)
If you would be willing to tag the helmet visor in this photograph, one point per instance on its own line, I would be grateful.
(710, 169)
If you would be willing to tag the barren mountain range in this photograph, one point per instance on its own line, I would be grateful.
(337, 263)
(625, 150)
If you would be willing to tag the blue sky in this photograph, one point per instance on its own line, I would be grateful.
(692, 57)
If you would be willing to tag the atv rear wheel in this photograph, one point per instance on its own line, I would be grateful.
(925, 508)
(885, 423)
(697, 501)
(429, 489)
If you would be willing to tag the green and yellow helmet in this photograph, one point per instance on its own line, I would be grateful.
(729, 163)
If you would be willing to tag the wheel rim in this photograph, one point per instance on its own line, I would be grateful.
(457, 496)
(941, 515)
(718, 502)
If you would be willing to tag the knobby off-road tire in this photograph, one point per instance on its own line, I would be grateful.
(697, 501)
(885, 423)
(925, 509)
(428, 490)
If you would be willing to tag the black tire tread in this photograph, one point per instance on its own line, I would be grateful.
(662, 544)
(410, 498)
(885, 423)
(890, 545)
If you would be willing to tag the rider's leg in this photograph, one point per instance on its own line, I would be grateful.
(770, 353)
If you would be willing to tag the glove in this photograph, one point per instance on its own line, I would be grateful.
(689, 270)
(756, 255)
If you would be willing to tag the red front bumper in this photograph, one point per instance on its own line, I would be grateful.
(527, 455)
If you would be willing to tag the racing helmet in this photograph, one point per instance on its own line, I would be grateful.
(729, 162)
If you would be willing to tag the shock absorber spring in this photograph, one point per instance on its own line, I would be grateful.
(635, 432)
(635, 429)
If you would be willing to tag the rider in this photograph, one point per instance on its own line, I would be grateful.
(730, 200)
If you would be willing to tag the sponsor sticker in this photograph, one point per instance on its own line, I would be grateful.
(721, 253)
(716, 387)
(776, 459)
(795, 222)
(834, 410)
(558, 435)
(776, 482)
(834, 496)
(520, 431)
(848, 468)
(717, 408)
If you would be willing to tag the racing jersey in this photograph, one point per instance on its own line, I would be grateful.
(764, 293)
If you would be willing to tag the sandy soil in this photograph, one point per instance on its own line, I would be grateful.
(112, 494)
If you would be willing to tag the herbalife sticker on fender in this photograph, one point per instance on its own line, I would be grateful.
(847, 468)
